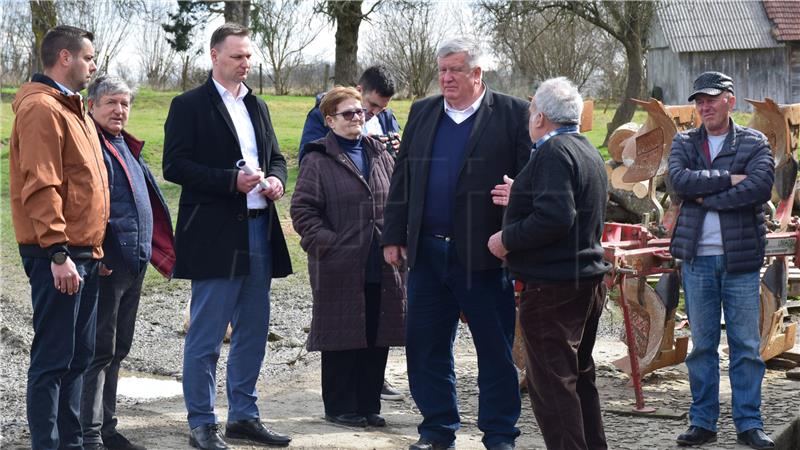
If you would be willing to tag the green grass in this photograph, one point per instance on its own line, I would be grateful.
(288, 115)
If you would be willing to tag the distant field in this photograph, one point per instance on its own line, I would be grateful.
(288, 115)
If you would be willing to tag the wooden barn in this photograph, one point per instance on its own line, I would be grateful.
(757, 43)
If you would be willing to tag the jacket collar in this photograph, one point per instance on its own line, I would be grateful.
(135, 145)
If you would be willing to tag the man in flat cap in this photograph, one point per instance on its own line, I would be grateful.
(723, 174)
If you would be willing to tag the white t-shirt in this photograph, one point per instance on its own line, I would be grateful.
(711, 236)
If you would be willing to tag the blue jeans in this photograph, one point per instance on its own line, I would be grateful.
(244, 303)
(439, 288)
(62, 348)
(708, 289)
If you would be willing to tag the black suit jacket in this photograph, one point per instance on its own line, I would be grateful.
(200, 150)
(498, 145)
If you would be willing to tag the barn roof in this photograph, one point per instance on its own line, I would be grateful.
(705, 26)
(785, 14)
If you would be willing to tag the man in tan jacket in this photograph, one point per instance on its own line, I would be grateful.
(59, 205)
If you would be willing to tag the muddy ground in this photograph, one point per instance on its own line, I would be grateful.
(289, 386)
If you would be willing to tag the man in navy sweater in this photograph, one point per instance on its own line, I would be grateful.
(456, 147)
(551, 242)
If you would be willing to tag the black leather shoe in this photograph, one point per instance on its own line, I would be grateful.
(348, 419)
(427, 444)
(501, 446)
(755, 438)
(254, 430)
(375, 420)
(696, 436)
(119, 442)
(207, 437)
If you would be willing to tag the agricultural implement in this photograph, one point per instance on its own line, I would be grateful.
(638, 252)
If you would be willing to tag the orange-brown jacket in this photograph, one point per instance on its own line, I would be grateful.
(58, 181)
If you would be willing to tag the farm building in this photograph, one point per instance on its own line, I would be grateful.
(755, 42)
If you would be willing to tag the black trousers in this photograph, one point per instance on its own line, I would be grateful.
(352, 379)
(559, 323)
(116, 318)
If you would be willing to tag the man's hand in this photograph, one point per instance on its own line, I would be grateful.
(65, 277)
(245, 183)
(103, 270)
(736, 179)
(275, 191)
(501, 192)
(394, 254)
(496, 246)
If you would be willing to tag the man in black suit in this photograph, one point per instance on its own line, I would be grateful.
(457, 146)
(228, 237)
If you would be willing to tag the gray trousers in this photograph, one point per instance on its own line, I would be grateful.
(117, 305)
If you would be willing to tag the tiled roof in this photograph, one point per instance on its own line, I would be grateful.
(785, 14)
(714, 25)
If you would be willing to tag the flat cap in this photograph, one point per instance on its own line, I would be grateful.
(712, 83)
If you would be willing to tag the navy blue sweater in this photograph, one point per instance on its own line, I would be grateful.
(447, 156)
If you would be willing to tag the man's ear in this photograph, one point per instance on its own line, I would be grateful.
(64, 57)
(214, 55)
(90, 104)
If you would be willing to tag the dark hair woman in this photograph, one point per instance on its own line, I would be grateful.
(359, 300)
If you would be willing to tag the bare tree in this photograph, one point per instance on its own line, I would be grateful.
(347, 16)
(17, 37)
(405, 40)
(283, 28)
(627, 22)
(43, 17)
(157, 59)
(110, 21)
(546, 44)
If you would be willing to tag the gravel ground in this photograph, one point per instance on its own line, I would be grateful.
(290, 385)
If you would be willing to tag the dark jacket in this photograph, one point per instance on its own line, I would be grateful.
(338, 214)
(163, 246)
(200, 150)
(315, 128)
(498, 145)
(554, 220)
(745, 152)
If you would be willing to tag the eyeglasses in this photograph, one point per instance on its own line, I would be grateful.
(350, 114)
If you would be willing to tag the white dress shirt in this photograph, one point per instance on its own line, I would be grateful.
(246, 135)
(459, 116)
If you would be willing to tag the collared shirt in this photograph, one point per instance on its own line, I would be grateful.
(246, 134)
(65, 89)
(568, 129)
(372, 127)
(459, 116)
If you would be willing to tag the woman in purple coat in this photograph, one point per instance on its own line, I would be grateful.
(359, 300)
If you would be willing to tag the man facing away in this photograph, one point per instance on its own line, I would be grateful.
(377, 88)
(456, 147)
(139, 231)
(228, 237)
(723, 174)
(551, 242)
(59, 206)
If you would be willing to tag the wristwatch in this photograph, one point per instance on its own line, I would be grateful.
(59, 258)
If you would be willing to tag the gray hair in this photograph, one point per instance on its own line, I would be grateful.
(108, 85)
(559, 100)
(459, 45)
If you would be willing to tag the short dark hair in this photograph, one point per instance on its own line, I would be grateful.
(228, 29)
(378, 79)
(62, 37)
